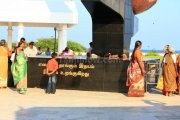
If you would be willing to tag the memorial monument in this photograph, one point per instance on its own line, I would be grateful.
(113, 27)
(113, 23)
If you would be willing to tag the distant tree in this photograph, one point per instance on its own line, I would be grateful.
(152, 53)
(44, 43)
(13, 45)
(76, 46)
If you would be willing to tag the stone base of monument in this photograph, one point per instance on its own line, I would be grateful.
(81, 74)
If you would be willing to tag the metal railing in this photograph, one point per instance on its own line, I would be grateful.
(153, 71)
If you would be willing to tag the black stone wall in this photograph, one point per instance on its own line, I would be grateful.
(112, 25)
(108, 75)
(103, 74)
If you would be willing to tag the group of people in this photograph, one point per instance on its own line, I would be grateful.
(32, 51)
(170, 72)
(18, 67)
(135, 72)
(19, 58)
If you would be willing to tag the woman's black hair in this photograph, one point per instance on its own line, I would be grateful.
(31, 43)
(137, 44)
(66, 49)
(22, 39)
(20, 43)
(15, 51)
(2, 42)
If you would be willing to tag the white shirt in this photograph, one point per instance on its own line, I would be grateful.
(173, 57)
(30, 52)
(70, 52)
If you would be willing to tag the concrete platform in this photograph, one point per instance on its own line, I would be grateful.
(86, 105)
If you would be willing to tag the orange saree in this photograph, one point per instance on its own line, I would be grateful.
(178, 68)
(169, 75)
(135, 79)
(3, 66)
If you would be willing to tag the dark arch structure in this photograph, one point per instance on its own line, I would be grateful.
(113, 23)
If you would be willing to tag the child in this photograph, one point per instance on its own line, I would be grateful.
(52, 67)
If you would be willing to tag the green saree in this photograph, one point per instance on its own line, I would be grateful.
(19, 71)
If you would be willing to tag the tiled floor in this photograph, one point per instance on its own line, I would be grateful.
(86, 105)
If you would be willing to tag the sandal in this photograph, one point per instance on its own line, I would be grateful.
(171, 94)
(22, 92)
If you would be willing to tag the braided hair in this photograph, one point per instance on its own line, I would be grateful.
(137, 44)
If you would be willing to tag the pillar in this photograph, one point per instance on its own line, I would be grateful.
(9, 37)
(20, 31)
(62, 38)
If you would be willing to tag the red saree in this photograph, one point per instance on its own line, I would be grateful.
(135, 79)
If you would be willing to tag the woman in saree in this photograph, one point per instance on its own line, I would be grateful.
(136, 73)
(169, 72)
(166, 51)
(178, 69)
(4, 53)
(19, 68)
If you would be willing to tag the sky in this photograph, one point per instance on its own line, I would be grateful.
(158, 26)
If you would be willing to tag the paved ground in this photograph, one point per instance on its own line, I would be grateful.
(83, 105)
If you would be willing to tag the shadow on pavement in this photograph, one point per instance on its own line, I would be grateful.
(154, 111)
